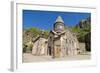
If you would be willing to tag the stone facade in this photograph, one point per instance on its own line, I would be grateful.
(39, 46)
(61, 41)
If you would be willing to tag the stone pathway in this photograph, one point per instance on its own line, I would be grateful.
(27, 57)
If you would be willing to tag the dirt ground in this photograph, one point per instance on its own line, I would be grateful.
(28, 57)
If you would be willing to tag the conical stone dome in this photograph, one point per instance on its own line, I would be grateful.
(59, 19)
(59, 24)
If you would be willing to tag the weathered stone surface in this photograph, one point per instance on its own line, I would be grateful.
(62, 41)
(40, 46)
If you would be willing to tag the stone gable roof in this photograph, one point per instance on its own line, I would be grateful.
(58, 34)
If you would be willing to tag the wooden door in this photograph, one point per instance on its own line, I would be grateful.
(58, 51)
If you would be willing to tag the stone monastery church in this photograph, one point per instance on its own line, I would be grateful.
(61, 42)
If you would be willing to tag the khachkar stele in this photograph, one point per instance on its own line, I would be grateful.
(61, 41)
